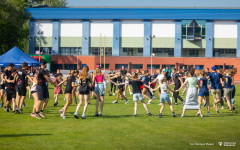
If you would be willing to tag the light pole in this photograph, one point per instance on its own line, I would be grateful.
(39, 36)
(77, 57)
(152, 54)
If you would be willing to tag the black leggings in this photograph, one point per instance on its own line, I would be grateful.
(176, 94)
(112, 86)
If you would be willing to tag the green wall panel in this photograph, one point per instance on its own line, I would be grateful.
(194, 44)
(95, 42)
(225, 43)
(45, 41)
(163, 42)
(70, 41)
(131, 41)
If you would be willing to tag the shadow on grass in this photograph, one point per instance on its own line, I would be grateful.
(21, 135)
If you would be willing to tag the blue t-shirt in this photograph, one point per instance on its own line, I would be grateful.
(204, 82)
(228, 85)
(145, 79)
(215, 80)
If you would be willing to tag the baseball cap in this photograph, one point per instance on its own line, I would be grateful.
(98, 66)
(213, 68)
(43, 62)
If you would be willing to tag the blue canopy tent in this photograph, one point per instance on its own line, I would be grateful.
(17, 57)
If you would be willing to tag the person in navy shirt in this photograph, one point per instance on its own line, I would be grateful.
(216, 80)
(227, 87)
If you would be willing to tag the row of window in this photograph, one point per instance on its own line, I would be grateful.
(133, 66)
(159, 52)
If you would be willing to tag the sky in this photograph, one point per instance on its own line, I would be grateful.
(156, 3)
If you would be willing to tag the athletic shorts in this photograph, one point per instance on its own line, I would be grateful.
(32, 92)
(2, 86)
(227, 91)
(42, 91)
(99, 89)
(216, 93)
(84, 92)
(137, 97)
(91, 89)
(203, 92)
(11, 94)
(164, 97)
(68, 91)
(121, 87)
(22, 90)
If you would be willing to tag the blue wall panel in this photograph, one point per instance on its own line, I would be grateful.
(85, 37)
(116, 37)
(238, 38)
(55, 37)
(209, 38)
(147, 38)
(178, 38)
(31, 36)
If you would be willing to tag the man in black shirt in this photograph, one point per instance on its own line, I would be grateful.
(42, 90)
(7, 73)
(11, 91)
(177, 81)
(21, 86)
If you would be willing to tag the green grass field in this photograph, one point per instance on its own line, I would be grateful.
(117, 129)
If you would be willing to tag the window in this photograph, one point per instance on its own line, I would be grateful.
(55, 67)
(198, 67)
(119, 66)
(70, 66)
(43, 50)
(219, 66)
(140, 50)
(229, 66)
(131, 52)
(153, 66)
(163, 52)
(125, 50)
(70, 51)
(193, 29)
(184, 66)
(106, 66)
(170, 66)
(96, 51)
(193, 53)
(136, 66)
(224, 53)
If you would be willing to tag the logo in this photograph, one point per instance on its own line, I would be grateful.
(220, 143)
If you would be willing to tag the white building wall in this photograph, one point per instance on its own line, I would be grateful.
(163, 28)
(132, 28)
(43, 25)
(103, 27)
(225, 29)
(70, 28)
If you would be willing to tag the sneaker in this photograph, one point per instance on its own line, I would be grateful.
(7, 110)
(14, 112)
(75, 101)
(37, 116)
(110, 94)
(20, 111)
(205, 104)
(2, 104)
(96, 114)
(222, 107)
(131, 93)
(33, 115)
(126, 101)
(208, 114)
(175, 103)
(60, 111)
(17, 110)
(174, 115)
(217, 111)
(149, 101)
(42, 114)
(100, 114)
(160, 116)
(183, 103)
(134, 115)
(149, 114)
(63, 116)
(23, 104)
(233, 108)
(153, 97)
(83, 117)
(182, 115)
(64, 99)
(202, 116)
(115, 102)
(55, 104)
(76, 115)
(197, 113)
(113, 94)
(160, 104)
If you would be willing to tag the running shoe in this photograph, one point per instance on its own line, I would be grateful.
(160, 116)
(182, 115)
(115, 102)
(202, 116)
(149, 101)
(134, 115)
(63, 116)
(76, 115)
(96, 114)
(37, 116)
(126, 101)
(83, 117)
(175, 103)
(64, 99)
(14, 112)
(183, 103)
(131, 93)
(10, 107)
(217, 111)
(20, 111)
(208, 114)
(222, 107)
(233, 108)
(100, 114)
(33, 115)
(42, 114)
(5, 108)
(75, 101)
(205, 103)
(149, 114)
(174, 115)
(197, 113)
(160, 104)
(55, 104)
(113, 94)
(60, 111)
(2, 104)
(110, 94)
(153, 97)
(23, 104)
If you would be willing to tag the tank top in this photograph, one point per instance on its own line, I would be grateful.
(99, 79)
(164, 87)
(119, 79)
(34, 86)
(84, 85)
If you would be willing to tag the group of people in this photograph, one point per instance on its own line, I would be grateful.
(84, 85)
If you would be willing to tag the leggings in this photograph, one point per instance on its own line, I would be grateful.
(112, 86)
(176, 94)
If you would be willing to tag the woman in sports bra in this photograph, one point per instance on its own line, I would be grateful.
(120, 79)
(84, 91)
(58, 89)
(34, 91)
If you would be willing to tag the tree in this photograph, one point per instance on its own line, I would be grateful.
(50, 3)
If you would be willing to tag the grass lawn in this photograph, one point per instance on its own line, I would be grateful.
(117, 129)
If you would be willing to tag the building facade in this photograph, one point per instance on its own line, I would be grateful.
(176, 37)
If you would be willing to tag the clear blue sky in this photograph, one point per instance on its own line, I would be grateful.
(156, 3)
